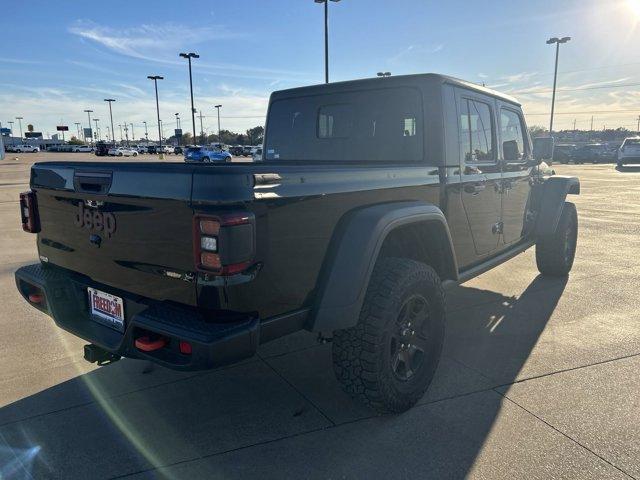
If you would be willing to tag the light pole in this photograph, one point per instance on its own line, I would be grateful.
(155, 79)
(126, 133)
(178, 127)
(218, 107)
(133, 136)
(189, 56)
(89, 112)
(78, 129)
(201, 129)
(326, 37)
(96, 135)
(557, 41)
(20, 123)
(119, 125)
(146, 133)
(113, 132)
(108, 133)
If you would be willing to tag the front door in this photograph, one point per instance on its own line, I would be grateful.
(480, 171)
(516, 176)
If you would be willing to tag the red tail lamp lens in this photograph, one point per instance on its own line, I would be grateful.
(29, 212)
(210, 260)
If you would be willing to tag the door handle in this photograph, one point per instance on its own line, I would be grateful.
(474, 189)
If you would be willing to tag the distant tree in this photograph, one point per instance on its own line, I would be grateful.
(74, 141)
(537, 131)
(255, 135)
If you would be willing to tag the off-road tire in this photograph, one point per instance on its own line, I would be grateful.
(362, 355)
(555, 254)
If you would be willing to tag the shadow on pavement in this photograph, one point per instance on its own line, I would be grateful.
(119, 420)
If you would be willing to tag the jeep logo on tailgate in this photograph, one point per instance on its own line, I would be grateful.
(95, 220)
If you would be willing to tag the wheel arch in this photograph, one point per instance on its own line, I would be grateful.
(552, 195)
(366, 234)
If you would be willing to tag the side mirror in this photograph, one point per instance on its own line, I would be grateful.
(543, 148)
(510, 151)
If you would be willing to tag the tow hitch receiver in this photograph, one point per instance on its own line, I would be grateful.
(95, 354)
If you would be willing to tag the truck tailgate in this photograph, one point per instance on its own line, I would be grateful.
(126, 225)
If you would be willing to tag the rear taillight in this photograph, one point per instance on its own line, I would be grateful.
(29, 212)
(224, 244)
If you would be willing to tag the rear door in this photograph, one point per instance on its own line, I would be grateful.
(128, 226)
(480, 169)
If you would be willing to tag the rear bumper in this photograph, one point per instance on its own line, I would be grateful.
(627, 160)
(226, 339)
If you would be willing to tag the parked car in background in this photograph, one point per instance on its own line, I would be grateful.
(629, 151)
(82, 148)
(102, 149)
(246, 150)
(166, 149)
(564, 153)
(26, 149)
(122, 152)
(206, 154)
(589, 153)
(178, 150)
(236, 150)
(256, 154)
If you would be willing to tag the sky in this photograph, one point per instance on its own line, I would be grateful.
(60, 58)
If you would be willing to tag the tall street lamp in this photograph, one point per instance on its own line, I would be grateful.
(113, 132)
(20, 123)
(218, 107)
(189, 56)
(178, 127)
(96, 134)
(326, 37)
(120, 125)
(89, 112)
(557, 41)
(146, 132)
(155, 79)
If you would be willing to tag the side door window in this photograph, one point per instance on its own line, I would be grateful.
(514, 146)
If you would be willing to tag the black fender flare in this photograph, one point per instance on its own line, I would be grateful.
(553, 194)
(352, 255)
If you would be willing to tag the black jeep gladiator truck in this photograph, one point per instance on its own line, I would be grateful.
(374, 196)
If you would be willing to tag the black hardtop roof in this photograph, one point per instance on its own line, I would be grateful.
(394, 80)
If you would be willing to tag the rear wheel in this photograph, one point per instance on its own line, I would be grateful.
(119, 154)
(388, 360)
(555, 254)
(205, 159)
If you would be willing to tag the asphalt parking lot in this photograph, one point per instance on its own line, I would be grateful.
(539, 379)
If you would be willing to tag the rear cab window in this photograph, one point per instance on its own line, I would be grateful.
(374, 125)
(476, 132)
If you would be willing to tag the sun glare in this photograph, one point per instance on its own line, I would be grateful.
(634, 6)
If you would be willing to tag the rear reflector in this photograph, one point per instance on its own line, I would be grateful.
(185, 347)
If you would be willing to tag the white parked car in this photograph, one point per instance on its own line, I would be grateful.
(122, 152)
(26, 149)
(629, 151)
(82, 148)
(141, 149)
